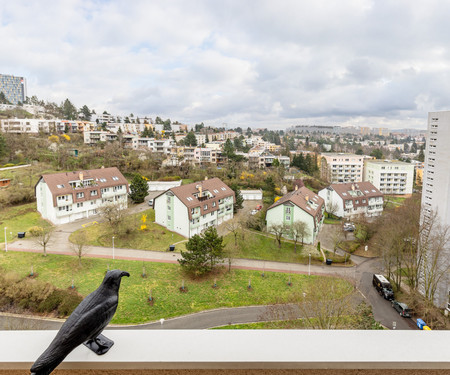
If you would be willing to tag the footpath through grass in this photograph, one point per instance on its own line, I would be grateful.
(154, 237)
(18, 219)
(164, 281)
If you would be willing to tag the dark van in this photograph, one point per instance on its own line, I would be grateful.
(383, 286)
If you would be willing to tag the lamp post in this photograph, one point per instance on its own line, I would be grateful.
(309, 265)
(6, 242)
(113, 246)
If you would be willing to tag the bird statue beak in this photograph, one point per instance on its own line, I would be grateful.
(124, 273)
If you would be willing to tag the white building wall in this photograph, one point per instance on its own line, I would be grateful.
(436, 184)
(330, 195)
(390, 177)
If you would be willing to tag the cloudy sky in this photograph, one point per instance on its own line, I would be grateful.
(245, 63)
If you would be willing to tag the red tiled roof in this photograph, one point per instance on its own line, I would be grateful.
(59, 183)
(215, 186)
(299, 198)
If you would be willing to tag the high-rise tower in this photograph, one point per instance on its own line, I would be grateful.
(14, 88)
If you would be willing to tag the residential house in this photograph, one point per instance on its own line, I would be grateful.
(353, 199)
(69, 196)
(299, 205)
(190, 209)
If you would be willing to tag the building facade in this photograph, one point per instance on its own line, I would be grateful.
(353, 199)
(190, 209)
(14, 88)
(340, 167)
(390, 177)
(69, 196)
(436, 187)
(299, 205)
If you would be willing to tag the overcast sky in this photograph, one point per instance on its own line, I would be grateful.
(245, 63)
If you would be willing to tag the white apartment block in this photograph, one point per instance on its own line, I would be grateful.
(190, 209)
(390, 177)
(353, 199)
(69, 196)
(436, 185)
(341, 167)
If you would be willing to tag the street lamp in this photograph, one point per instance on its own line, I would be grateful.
(6, 242)
(309, 265)
(113, 246)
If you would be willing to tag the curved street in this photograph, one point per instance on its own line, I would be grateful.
(360, 274)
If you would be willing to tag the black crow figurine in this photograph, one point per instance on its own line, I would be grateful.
(86, 323)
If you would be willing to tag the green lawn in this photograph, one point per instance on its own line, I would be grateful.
(18, 219)
(256, 245)
(164, 280)
(155, 237)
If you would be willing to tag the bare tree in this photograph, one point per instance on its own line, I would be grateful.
(234, 226)
(298, 230)
(278, 230)
(79, 244)
(336, 236)
(332, 208)
(326, 303)
(436, 262)
(43, 236)
(114, 213)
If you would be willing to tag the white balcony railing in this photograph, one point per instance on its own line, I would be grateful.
(240, 349)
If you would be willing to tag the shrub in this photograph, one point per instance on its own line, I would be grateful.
(35, 231)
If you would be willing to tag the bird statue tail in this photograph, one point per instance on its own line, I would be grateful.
(46, 363)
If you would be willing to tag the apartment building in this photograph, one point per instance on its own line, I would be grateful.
(353, 199)
(190, 209)
(390, 176)
(14, 88)
(341, 167)
(69, 196)
(299, 205)
(436, 186)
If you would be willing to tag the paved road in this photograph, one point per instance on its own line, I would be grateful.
(360, 274)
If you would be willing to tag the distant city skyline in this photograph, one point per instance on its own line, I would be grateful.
(255, 63)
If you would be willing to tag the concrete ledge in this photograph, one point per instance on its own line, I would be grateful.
(240, 349)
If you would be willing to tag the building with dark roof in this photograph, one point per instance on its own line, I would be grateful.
(190, 209)
(69, 196)
(299, 205)
(353, 199)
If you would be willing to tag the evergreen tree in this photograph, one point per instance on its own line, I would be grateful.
(138, 189)
(228, 149)
(69, 111)
(421, 156)
(2, 146)
(239, 199)
(203, 252)
(190, 139)
(3, 99)
(86, 112)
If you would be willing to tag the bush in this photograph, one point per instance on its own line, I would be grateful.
(35, 296)
(35, 231)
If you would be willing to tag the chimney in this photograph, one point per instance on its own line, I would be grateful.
(200, 191)
(80, 175)
(307, 198)
(296, 187)
(353, 187)
(206, 178)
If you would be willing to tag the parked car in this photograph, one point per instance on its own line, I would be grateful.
(402, 308)
(150, 202)
(254, 212)
(349, 227)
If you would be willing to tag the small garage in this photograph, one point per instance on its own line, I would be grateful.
(252, 195)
